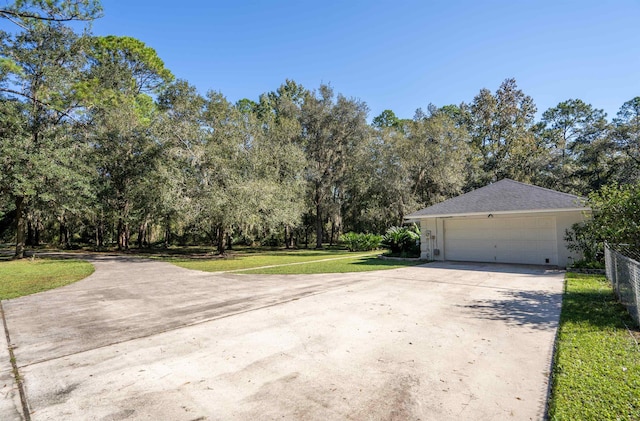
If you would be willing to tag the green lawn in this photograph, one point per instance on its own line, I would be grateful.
(351, 264)
(295, 261)
(596, 373)
(27, 276)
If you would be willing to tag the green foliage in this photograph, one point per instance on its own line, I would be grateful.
(132, 66)
(403, 240)
(334, 132)
(386, 119)
(44, 160)
(587, 264)
(28, 11)
(616, 211)
(360, 241)
(616, 219)
(596, 374)
(585, 238)
(100, 140)
(626, 137)
(438, 157)
(7, 66)
(501, 127)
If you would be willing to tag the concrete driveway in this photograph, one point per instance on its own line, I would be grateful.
(146, 340)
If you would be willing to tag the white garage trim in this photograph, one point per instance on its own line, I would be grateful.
(506, 221)
(502, 239)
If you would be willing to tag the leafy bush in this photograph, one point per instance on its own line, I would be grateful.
(615, 220)
(361, 242)
(403, 240)
(585, 238)
(587, 264)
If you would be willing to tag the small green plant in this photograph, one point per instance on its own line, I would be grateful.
(586, 238)
(587, 264)
(361, 242)
(403, 241)
(614, 220)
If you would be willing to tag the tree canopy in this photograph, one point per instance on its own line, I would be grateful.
(100, 145)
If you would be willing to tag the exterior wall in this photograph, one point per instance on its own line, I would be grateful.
(434, 229)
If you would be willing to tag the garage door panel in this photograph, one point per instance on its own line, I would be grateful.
(529, 240)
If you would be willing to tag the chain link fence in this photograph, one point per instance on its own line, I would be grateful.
(623, 270)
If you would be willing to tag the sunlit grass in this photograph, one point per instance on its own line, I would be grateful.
(28, 276)
(596, 373)
(254, 260)
(352, 264)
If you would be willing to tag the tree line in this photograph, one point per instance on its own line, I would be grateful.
(100, 144)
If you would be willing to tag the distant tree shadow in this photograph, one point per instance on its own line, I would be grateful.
(534, 309)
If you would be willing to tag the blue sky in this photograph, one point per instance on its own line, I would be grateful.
(397, 55)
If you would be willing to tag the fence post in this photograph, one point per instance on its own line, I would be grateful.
(635, 282)
(608, 265)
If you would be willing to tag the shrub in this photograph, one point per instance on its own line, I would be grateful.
(587, 264)
(361, 242)
(615, 220)
(585, 238)
(403, 240)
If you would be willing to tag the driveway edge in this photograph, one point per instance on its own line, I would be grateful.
(14, 368)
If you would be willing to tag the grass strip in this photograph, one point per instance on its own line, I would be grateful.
(596, 373)
(350, 264)
(250, 260)
(28, 276)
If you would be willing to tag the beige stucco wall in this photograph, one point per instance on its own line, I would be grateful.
(432, 234)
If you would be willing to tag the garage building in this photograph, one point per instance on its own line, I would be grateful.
(504, 222)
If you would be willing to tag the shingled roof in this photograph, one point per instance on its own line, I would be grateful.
(504, 196)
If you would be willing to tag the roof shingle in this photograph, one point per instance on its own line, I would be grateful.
(504, 196)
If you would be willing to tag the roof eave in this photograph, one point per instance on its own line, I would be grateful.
(414, 217)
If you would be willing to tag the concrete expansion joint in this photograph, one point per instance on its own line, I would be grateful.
(26, 413)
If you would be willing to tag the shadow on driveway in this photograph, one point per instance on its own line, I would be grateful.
(533, 309)
(535, 270)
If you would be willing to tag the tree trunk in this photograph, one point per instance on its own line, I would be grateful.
(319, 226)
(292, 240)
(60, 232)
(36, 233)
(221, 240)
(120, 234)
(64, 233)
(286, 237)
(149, 238)
(20, 228)
(142, 234)
(123, 235)
(98, 242)
(65, 236)
(333, 232)
(229, 242)
(167, 232)
(30, 234)
(100, 232)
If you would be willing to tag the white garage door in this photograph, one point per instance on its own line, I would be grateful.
(530, 240)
